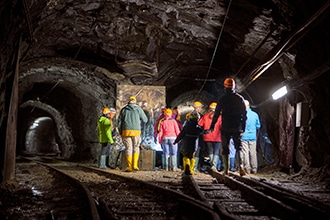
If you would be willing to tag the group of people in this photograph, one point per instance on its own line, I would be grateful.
(129, 128)
(228, 119)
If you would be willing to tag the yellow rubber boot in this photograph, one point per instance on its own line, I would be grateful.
(186, 165)
(192, 164)
(129, 164)
(136, 161)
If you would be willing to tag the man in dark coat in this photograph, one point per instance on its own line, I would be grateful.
(232, 108)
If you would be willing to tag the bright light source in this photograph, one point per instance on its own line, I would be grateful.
(279, 93)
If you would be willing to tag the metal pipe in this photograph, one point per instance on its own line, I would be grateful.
(286, 45)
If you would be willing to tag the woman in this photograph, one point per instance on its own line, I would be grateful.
(169, 130)
(212, 139)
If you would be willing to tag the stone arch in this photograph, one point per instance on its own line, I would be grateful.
(66, 140)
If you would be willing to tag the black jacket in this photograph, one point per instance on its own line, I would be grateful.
(232, 108)
(191, 129)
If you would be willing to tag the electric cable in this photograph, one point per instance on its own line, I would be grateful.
(215, 50)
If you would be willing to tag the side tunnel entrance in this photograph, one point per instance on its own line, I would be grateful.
(40, 138)
(43, 131)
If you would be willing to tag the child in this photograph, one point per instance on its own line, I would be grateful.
(189, 135)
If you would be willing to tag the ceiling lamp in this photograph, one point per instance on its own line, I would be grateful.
(279, 93)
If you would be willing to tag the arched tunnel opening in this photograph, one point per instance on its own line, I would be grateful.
(72, 103)
(36, 133)
(40, 138)
(51, 122)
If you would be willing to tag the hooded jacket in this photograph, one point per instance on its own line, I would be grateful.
(104, 130)
(129, 120)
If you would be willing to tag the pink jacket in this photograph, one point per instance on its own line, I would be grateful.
(169, 128)
(205, 122)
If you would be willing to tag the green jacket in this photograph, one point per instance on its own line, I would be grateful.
(129, 120)
(104, 130)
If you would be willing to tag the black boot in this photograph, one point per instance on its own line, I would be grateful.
(107, 161)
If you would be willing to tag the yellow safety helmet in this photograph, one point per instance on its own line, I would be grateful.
(213, 105)
(105, 111)
(132, 98)
(197, 104)
(168, 112)
(229, 83)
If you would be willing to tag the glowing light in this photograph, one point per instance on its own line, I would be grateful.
(279, 93)
(36, 192)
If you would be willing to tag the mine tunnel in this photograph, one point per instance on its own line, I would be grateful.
(63, 61)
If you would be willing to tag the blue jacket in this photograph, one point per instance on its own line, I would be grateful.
(251, 127)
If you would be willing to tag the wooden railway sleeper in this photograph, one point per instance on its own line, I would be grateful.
(305, 205)
(261, 200)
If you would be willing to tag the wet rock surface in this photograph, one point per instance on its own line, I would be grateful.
(37, 193)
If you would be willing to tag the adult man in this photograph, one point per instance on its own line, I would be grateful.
(129, 125)
(104, 131)
(249, 140)
(233, 112)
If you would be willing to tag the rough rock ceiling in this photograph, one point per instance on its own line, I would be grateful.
(180, 44)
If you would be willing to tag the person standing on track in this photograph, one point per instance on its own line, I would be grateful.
(213, 139)
(198, 108)
(189, 134)
(233, 111)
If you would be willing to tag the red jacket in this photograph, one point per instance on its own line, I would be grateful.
(205, 122)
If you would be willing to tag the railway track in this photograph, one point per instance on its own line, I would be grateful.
(307, 207)
(211, 196)
(235, 197)
(38, 199)
(118, 197)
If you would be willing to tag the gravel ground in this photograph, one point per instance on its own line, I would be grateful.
(35, 194)
(18, 197)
